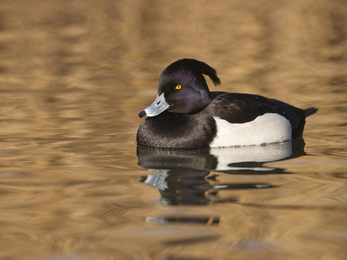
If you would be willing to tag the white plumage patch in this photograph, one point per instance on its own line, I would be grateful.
(265, 129)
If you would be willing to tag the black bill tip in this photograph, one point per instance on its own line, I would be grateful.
(142, 113)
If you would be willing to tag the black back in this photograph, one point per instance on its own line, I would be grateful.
(242, 108)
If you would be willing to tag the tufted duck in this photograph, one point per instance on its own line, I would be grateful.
(186, 114)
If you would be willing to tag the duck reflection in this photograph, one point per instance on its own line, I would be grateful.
(182, 176)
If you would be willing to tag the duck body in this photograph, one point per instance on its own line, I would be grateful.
(186, 114)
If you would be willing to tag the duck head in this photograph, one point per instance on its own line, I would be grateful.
(182, 88)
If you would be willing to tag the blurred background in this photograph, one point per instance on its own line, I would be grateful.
(73, 77)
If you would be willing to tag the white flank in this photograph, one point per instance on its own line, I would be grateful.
(265, 129)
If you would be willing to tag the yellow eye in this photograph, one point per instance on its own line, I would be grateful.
(178, 87)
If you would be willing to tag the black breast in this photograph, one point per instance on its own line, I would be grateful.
(169, 130)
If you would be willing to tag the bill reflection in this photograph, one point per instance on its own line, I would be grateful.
(183, 177)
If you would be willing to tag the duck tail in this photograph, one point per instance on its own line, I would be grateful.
(310, 111)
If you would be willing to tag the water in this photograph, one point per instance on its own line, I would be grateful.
(74, 185)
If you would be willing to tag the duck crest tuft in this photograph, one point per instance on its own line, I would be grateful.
(193, 65)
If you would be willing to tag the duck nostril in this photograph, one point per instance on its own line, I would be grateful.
(158, 103)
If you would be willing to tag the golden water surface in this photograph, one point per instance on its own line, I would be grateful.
(74, 74)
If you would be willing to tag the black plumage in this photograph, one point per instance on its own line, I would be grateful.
(187, 120)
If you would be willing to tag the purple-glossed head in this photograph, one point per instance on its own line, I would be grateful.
(182, 88)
